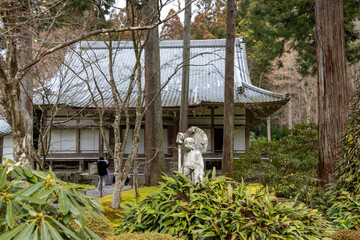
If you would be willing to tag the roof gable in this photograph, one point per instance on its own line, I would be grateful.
(89, 61)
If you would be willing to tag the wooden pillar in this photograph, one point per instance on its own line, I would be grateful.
(247, 129)
(212, 129)
(268, 124)
(44, 124)
(78, 137)
(101, 144)
(1, 147)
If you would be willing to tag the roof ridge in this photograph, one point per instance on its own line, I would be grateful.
(263, 91)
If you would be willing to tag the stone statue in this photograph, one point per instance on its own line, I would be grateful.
(195, 143)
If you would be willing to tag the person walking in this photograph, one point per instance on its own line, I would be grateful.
(103, 170)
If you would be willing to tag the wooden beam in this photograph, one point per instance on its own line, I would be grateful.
(78, 137)
(101, 144)
(1, 147)
(212, 129)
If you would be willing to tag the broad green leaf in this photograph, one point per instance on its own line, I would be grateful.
(64, 202)
(2, 178)
(10, 214)
(54, 232)
(40, 174)
(30, 199)
(30, 190)
(26, 233)
(44, 231)
(28, 172)
(12, 233)
(66, 230)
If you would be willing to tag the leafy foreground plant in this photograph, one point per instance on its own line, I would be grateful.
(28, 200)
(220, 208)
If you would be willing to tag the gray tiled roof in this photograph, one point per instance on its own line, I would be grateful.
(4, 126)
(89, 61)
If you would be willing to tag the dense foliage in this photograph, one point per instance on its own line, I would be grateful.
(272, 27)
(220, 208)
(341, 204)
(288, 165)
(348, 165)
(37, 205)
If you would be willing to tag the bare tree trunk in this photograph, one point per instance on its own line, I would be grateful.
(27, 100)
(154, 136)
(228, 143)
(135, 178)
(333, 101)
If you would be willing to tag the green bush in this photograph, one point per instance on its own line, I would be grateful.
(220, 208)
(340, 207)
(288, 166)
(348, 164)
(28, 206)
(346, 234)
(143, 236)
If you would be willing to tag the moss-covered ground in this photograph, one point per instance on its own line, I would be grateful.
(128, 196)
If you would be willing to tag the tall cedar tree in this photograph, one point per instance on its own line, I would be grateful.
(272, 27)
(228, 143)
(172, 29)
(333, 101)
(154, 146)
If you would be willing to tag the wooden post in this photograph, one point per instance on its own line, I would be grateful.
(1, 147)
(78, 137)
(101, 144)
(290, 120)
(213, 129)
(268, 125)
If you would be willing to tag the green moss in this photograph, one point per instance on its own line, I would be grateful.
(128, 196)
(143, 236)
(346, 234)
(101, 226)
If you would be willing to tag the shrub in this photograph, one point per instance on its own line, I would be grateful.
(28, 206)
(348, 165)
(220, 208)
(143, 236)
(290, 166)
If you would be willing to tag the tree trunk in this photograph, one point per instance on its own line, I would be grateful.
(333, 102)
(154, 142)
(185, 70)
(228, 142)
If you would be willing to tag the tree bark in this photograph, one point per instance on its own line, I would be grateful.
(228, 142)
(154, 137)
(185, 70)
(333, 100)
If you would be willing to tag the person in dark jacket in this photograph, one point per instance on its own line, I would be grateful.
(102, 165)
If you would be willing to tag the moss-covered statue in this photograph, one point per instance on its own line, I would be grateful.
(195, 144)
